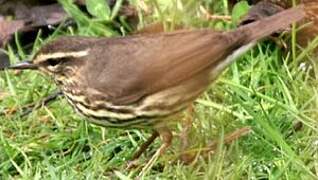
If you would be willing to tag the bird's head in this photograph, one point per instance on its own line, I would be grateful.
(58, 57)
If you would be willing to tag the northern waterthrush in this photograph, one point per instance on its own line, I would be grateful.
(145, 80)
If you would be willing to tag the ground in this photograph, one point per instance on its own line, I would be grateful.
(270, 89)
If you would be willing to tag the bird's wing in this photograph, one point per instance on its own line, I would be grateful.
(141, 65)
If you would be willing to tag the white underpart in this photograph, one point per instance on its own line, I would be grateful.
(98, 113)
(230, 59)
(104, 113)
(43, 57)
(139, 111)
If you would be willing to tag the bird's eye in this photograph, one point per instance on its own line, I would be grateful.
(53, 62)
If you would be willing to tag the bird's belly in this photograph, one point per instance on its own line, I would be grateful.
(150, 111)
(110, 117)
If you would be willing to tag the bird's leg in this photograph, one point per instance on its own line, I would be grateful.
(145, 145)
(166, 138)
(186, 127)
(134, 160)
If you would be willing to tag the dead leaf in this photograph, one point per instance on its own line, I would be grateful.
(7, 28)
(29, 19)
(42, 15)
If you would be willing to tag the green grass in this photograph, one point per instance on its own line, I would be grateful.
(266, 89)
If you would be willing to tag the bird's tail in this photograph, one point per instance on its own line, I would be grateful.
(259, 29)
(248, 35)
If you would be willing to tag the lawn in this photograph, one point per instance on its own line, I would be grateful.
(270, 89)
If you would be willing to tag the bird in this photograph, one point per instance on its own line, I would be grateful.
(146, 81)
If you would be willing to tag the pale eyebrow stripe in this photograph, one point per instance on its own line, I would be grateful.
(43, 57)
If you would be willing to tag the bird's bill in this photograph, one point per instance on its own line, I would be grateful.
(23, 65)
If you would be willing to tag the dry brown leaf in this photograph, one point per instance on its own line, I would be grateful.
(43, 15)
(7, 28)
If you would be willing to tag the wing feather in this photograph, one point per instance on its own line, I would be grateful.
(140, 65)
